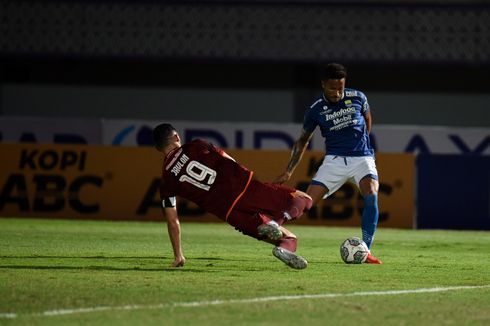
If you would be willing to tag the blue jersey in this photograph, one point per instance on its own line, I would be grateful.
(342, 124)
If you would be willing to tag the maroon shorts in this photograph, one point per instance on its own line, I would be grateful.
(260, 203)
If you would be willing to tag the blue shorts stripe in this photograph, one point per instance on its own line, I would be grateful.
(372, 176)
(318, 183)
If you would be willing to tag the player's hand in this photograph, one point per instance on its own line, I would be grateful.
(299, 193)
(178, 261)
(282, 178)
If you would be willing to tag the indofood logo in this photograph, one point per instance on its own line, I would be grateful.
(41, 182)
(340, 113)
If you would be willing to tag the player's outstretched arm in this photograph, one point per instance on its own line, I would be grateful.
(297, 152)
(174, 233)
(369, 121)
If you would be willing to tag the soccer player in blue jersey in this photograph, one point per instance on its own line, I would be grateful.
(344, 118)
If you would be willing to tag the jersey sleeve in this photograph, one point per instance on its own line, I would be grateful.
(216, 149)
(309, 123)
(364, 101)
(167, 196)
(209, 147)
(169, 202)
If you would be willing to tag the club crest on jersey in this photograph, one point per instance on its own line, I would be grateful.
(326, 110)
(347, 102)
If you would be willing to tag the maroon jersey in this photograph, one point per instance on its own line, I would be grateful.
(199, 172)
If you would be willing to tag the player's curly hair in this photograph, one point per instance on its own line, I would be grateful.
(162, 135)
(333, 71)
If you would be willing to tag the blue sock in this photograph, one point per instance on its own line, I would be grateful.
(369, 219)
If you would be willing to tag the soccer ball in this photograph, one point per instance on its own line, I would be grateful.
(354, 251)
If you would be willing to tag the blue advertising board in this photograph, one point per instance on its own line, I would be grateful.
(453, 192)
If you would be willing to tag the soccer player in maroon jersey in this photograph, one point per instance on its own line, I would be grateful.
(207, 176)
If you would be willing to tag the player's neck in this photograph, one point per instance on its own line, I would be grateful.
(170, 148)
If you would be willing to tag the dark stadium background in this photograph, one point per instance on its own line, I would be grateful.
(421, 62)
(413, 48)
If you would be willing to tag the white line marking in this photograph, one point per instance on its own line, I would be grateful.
(250, 300)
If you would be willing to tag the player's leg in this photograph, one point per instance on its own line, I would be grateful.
(298, 204)
(366, 176)
(257, 225)
(369, 186)
(331, 175)
(285, 250)
(270, 230)
(285, 246)
(369, 190)
(316, 191)
(279, 202)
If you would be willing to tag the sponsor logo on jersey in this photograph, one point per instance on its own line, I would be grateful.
(325, 111)
(342, 112)
(348, 102)
(350, 93)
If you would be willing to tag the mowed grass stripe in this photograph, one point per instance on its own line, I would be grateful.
(250, 300)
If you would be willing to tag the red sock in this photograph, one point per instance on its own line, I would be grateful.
(289, 243)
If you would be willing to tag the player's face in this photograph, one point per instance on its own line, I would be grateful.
(333, 89)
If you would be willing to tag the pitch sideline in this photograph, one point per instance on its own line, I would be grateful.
(250, 300)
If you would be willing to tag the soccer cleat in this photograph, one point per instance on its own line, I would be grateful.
(290, 258)
(370, 259)
(271, 230)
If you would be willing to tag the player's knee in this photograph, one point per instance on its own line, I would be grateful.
(370, 192)
(298, 206)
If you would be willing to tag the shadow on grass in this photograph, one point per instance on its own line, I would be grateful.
(194, 269)
(103, 257)
(106, 268)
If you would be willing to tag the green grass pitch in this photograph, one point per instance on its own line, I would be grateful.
(60, 272)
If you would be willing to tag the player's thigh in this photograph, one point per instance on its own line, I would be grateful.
(266, 198)
(332, 174)
(366, 174)
(247, 223)
(316, 192)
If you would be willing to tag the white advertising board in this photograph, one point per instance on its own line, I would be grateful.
(280, 136)
(50, 130)
(238, 135)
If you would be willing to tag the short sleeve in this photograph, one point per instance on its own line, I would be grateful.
(365, 104)
(169, 202)
(309, 123)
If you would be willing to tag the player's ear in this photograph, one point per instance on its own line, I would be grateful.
(177, 138)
